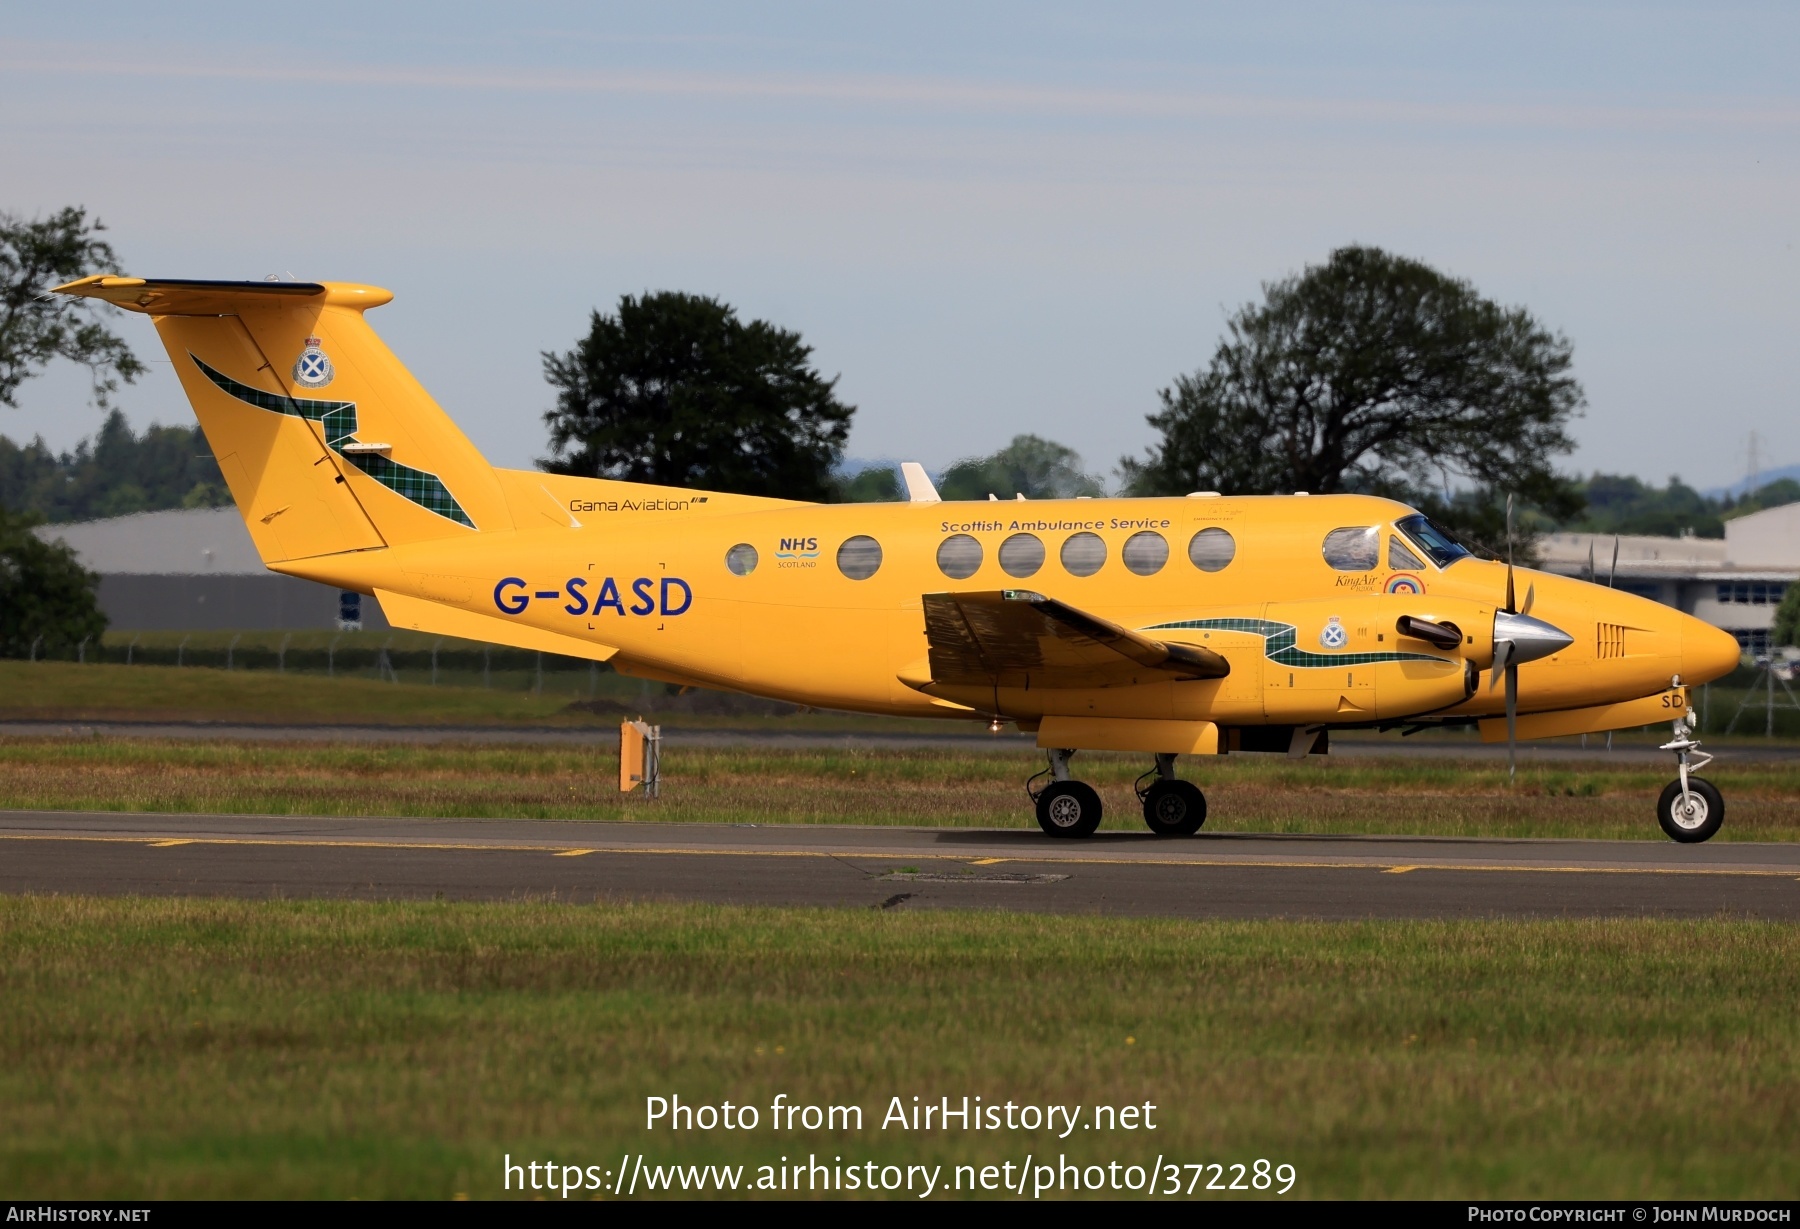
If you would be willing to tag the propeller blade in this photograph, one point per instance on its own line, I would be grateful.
(1512, 723)
(1503, 651)
(1614, 574)
(1510, 607)
(1530, 596)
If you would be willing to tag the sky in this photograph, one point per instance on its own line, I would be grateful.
(985, 219)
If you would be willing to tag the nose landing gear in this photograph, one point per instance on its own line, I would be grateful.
(1691, 808)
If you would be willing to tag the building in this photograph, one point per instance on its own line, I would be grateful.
(196, 570)
(1735, 583)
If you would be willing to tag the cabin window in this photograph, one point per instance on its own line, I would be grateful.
(1022, 555)
(1083, 553)
(1353, 550)
(1400, 559)
(860, 557)
(741, 559)
(1212, 549)
(1145, 552)
(959, 556)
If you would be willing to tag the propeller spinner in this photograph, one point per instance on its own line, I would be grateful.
(1520, 638)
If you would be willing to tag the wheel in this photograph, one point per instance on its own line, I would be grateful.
(1704, 812)
(1068, 808)
(1174, 808)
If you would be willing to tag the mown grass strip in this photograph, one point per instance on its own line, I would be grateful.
(925, 787)
(171, 1048)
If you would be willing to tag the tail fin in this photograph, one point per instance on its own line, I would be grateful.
(326, 440)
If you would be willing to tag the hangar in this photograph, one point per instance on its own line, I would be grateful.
(197, 570)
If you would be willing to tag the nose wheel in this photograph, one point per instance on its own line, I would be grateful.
(1691, 808)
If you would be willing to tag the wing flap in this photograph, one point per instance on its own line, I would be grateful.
(1017, 638)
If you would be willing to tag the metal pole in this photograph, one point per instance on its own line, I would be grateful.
(129, 648)
(281, 654)
(181, 650)
(1769, 707)
(231, 649)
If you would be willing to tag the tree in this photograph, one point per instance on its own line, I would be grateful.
(875, 485)
(1029, 466)
(1787, 618)
(114, 473)
(1619, 503)
(676, 390)
(1374, 373)
(36, 327)
(46, 597)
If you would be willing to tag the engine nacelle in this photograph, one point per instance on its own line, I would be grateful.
(1367, 657)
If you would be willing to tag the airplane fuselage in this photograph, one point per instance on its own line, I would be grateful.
(651, 578)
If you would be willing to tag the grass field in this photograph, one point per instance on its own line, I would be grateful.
(178, 1048)
(515, 688)
(926, 787)
(65, 691)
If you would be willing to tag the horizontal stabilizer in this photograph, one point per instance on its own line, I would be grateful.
(418, 615)
(189, 297)
(1016, 638)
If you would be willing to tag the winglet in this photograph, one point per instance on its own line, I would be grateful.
(918, 484)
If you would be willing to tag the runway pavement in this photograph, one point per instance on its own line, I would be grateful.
(1123, 873)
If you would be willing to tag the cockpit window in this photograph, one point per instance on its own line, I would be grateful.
(1353, 550)
(1399, 558)
(1432, 538)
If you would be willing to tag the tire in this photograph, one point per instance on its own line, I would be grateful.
(1707, 811)
(1068, 808)
(1174, 808)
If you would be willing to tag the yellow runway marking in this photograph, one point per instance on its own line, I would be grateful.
(890, 855)
(1399, 870)
(572, 853)
(986, 861)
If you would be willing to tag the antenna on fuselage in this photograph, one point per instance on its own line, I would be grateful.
(919, 489)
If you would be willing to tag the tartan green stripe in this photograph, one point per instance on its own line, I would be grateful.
(1279, 643)
(339, 420)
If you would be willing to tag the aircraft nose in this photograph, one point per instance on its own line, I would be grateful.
(1707, 652)
(1531, 638)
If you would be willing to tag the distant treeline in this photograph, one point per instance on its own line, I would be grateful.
(1621, 504)
(115, 473)
(120, 472)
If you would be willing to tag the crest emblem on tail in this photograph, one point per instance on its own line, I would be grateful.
(313, 368)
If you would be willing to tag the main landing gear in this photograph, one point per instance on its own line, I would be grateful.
(1691, 808)
(1066, 807)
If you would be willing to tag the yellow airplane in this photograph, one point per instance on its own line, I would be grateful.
(1184, 626)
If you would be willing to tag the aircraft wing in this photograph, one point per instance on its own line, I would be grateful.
(1017, 638)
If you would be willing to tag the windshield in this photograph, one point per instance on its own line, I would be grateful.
(1432, 538)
